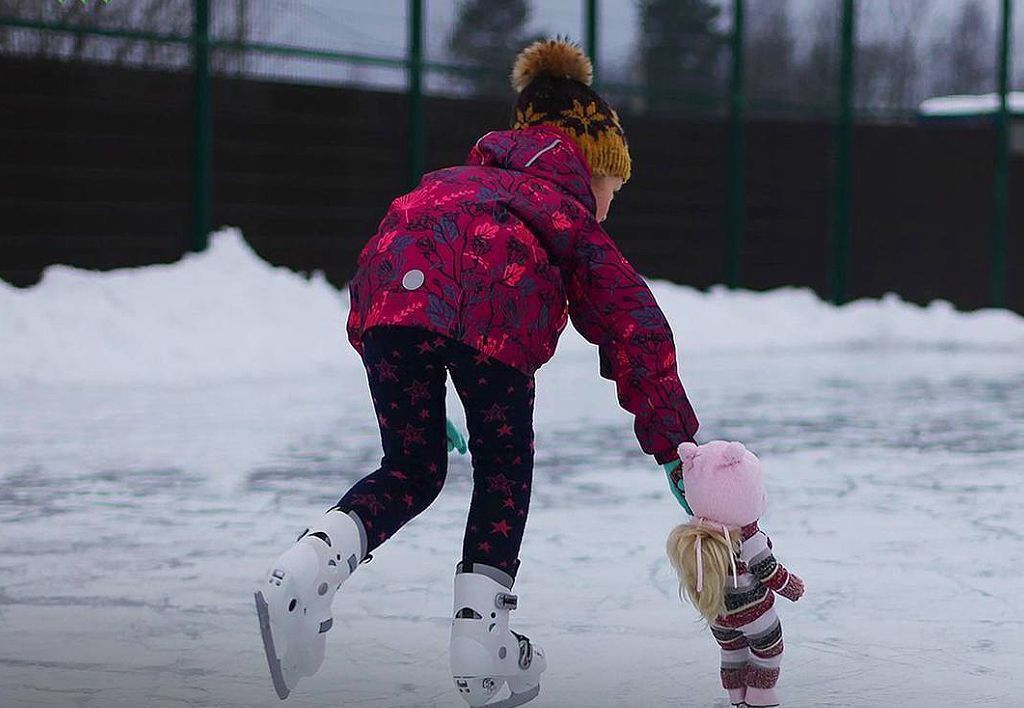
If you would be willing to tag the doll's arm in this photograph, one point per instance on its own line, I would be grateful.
(769, 571)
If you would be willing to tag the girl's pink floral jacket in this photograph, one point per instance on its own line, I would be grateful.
(498, 253)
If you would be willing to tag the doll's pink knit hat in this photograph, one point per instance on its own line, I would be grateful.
(723, 482)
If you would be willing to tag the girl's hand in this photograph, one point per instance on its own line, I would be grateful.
(456, 441)
(674, 472)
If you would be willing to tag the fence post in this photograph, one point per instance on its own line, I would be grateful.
(242, 33)
(840, 241)
(737, 152)
(590, 30)
(202, 147)
(998, 283)
(417, 141)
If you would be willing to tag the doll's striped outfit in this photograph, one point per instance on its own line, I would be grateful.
(749, 632)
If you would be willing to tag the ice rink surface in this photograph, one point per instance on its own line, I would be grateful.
(138, 512)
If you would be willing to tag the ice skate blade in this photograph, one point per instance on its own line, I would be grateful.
(516, 699)
(263, 611)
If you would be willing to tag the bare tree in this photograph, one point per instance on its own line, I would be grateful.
(817, 71)
(172, 17)
(905, 85)
(233, 20)
(488, 35)
(681, 51)
(33, 42)
(770, 56)
(888, 71)
(1017, 51)
(618, 78)
(871, 74)
(965, 58)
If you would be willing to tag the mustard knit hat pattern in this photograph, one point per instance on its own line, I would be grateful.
(553, 79)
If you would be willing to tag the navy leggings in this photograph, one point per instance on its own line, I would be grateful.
(407, 369)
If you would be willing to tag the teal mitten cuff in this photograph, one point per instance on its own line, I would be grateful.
(675, 482)
(456, 441)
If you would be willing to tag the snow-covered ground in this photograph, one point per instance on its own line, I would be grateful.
(167, 431)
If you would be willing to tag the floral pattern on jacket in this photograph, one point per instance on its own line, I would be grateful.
(499, 252)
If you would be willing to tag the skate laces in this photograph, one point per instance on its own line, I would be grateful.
(700, 557)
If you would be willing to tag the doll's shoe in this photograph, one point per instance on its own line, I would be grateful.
(761, 698)
(738, 696)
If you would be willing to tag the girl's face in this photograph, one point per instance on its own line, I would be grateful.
(605, 188)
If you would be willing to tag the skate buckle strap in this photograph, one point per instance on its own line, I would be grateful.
(525, 650)
(506, 601)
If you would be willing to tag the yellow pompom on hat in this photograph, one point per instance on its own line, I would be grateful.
(553, 79)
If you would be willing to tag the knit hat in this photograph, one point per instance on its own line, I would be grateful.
(723, 482)
(553, 80)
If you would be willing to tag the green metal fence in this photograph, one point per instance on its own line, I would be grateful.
(1002, 198)
(209, 37)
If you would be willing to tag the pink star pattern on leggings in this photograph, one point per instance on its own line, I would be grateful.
(406, 369)
(501, 527)
(386, 371)
(411, 435)
(417, 390)
(495, 413)
(368, 502)
(500, 483)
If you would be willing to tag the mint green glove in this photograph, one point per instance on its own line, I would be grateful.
(456, 440)
(673, 470)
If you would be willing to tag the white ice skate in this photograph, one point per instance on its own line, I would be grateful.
(485, 653)
(294, 600)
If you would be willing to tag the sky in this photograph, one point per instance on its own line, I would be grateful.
(379, 26)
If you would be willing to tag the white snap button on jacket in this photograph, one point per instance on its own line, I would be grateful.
(413, 279)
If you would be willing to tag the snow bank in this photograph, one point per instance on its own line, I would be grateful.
(225, 313)
(796, 318)
(219, 314)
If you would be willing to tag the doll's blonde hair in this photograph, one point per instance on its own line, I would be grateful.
(716, 557)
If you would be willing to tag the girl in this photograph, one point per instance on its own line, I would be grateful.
(726, 567)
(474, 275)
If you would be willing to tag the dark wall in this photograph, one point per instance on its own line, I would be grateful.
(95, 165)
(923, 215)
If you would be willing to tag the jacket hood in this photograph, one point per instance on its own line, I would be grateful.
(540, 151)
